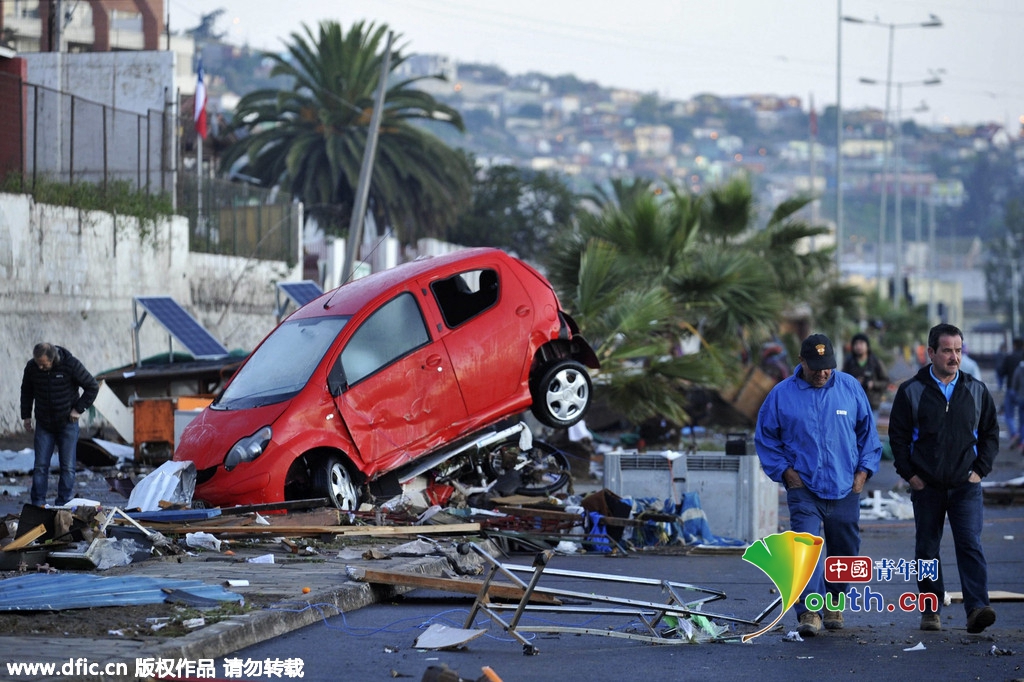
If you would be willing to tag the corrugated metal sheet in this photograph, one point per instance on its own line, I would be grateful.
(58, 591)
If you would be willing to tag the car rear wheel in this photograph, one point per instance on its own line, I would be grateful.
(562, 395)
(333, 480)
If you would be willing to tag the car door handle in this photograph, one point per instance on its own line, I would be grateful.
(433, 361)
(523, 310)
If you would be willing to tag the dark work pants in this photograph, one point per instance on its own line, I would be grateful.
(963, 506)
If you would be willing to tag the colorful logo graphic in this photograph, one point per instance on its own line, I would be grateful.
(848, 569)
(788, 559)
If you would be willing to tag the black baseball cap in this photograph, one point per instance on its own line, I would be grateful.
(816, 351)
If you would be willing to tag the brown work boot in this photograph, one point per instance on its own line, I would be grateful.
(833, 620)
(930, 622)
(810, 624)
(979, 619)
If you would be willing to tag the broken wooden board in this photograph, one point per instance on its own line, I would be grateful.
(306, 531)
(993, 596)
(25, 538)
(503, 592)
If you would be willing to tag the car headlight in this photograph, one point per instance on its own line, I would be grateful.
(247, 449)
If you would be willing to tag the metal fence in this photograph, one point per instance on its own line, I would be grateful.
(66, 138)
(240, 219)
(53, 136)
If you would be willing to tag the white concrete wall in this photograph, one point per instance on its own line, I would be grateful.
(68, 277)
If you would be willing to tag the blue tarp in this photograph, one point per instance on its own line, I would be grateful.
(58, 591)
(691, 528)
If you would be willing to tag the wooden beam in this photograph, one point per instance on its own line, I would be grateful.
(499, 591)
(25, 539)
(306, 531)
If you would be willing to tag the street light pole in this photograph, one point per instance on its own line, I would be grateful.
(933, 22)
(898, 291)
(839, 139)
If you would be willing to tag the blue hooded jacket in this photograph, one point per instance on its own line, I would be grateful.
(826, 434)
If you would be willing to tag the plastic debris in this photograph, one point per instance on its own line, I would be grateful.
(202, 540)
(917, 647)
(792, 636)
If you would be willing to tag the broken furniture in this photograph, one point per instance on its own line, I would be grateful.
(676, 621)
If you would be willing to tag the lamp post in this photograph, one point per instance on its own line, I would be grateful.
(898, 291)
(839, 139)
(933, 22)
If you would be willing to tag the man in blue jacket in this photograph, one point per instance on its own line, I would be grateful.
(945, 436)
(816, 435)
(62, 389)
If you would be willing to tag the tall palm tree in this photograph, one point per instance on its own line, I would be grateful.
(311, 138)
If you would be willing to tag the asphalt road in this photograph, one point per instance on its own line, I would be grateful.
(378, 642)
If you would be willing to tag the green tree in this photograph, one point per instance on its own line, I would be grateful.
(311, 138)
(1003, 261)
(515, 210)
(650, 274)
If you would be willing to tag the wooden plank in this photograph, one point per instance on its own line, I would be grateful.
(26, 539)
(993, 596)
(502, 591)
(305, 531)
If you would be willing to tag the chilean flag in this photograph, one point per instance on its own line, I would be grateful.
(200, 110)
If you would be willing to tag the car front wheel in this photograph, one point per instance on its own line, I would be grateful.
(562, 394)
(332, 479)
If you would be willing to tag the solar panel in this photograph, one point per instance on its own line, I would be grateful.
(301, 292)
(182, 326)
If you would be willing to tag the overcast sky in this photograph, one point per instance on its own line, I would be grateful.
(678, 48)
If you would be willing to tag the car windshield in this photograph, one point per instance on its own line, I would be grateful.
(282, 365)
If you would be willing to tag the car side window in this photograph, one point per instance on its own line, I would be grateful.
(465, 295)
(393, 330)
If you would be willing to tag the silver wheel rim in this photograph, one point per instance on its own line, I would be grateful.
(567, 394)
(341, 489)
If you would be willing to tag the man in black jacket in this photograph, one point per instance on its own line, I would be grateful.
(945, 435)
(62, 389)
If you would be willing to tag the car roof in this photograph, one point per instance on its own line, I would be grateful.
(351, 297)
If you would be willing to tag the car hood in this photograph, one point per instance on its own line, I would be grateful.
(208, 437)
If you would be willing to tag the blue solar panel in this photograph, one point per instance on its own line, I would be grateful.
(301, 292)
(182, 326)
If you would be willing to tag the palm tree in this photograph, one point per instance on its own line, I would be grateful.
(311, 138)
(649, 274)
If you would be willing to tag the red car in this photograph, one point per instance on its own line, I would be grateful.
(372, 376)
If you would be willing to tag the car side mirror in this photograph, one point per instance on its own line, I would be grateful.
(336, 383)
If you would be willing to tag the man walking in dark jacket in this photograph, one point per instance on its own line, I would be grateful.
(945, 436)
(62, 389)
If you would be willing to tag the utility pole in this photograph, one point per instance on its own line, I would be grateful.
(356, 223)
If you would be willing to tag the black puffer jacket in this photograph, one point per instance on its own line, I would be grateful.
(56, 392)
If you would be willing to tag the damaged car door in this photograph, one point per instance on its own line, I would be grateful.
(395, 388)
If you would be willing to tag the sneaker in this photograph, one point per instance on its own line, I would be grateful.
(810, 624)
(979, 619)
(833, 620)
(930, 622)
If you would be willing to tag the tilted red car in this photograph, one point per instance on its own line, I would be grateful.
(379, 372)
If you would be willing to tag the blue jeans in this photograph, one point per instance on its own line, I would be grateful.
(1010, 410)
(963, 506)
(65, 441)
(839, 519)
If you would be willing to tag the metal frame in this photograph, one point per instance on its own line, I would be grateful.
(651, 614)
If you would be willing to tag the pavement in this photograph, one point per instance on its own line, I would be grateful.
(331, 591)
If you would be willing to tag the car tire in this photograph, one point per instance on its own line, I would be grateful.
(562, 395)
(333, 480)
